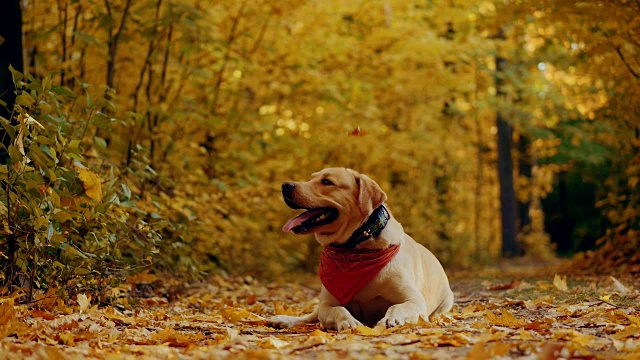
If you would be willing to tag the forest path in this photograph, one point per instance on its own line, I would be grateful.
(511, 311)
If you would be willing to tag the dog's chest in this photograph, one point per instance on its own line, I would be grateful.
(369, 312)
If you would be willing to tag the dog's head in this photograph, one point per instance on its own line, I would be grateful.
(337, 201)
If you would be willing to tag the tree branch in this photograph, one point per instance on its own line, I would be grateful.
(635, 74)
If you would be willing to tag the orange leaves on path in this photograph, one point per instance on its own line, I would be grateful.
(224, 318)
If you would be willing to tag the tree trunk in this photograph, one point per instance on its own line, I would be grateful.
(510, 246)
(524, 169)
(10, 54)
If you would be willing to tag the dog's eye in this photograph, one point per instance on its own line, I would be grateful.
(327, 182)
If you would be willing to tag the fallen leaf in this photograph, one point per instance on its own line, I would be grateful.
(631, 330)
(7, 318)
(367, 331)
(273, 343)
(47, 301)
(507, 286)
(235, 315)
(483, 350)
(507, 319)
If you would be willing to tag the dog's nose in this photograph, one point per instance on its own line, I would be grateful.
(287, 188)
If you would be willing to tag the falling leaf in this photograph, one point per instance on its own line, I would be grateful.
(619, 287)
(560, 283)
(91, 184)
(83, 302)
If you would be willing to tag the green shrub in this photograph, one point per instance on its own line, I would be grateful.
(65, 212)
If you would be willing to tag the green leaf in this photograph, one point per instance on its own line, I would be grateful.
(46, 83)
(74, 144)
(15, 154)
(15, 75)
(56, 239)
(51, 174)
(100, 142)
(8, 128)
(62, 216)
(44, 140)
(76, 156)
(89, 101)
(127, 191)
(81, 271)
(25, 100)
(45, 149)
(55, 199)
(61, 90)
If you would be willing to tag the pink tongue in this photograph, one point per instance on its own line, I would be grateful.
(298, 220)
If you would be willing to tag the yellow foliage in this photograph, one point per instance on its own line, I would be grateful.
(91, 184)
(215, 105)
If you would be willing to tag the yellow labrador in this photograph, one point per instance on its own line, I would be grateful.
(372, 272)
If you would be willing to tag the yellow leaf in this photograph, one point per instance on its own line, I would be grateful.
(367, 331)
(67, 338)
(628, 332)
(560, 283)
(526, 335)
(234, 315)
(91, 184)
(482, 350)
(48, 300)
(7, 318)
(507, 319)
(634, 319)
(317, 337)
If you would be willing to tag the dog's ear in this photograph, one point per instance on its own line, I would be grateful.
(371, 195)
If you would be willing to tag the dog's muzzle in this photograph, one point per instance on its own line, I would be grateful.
(287, 189)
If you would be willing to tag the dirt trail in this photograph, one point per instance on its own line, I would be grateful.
(514, 311)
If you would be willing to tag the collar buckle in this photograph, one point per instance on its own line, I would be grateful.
(372, 227)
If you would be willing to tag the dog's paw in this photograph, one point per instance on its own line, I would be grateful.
(284, 321)
(395, 317)
(347, 324)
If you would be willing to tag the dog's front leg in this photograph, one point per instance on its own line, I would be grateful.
(286, 321)
(332, 315)
(336, 317)
(408, 311)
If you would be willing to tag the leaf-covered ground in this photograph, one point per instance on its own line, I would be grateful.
(510, 312)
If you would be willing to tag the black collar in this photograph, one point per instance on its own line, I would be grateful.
(372, 227)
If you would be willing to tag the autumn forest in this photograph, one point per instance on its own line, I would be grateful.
(149, 139)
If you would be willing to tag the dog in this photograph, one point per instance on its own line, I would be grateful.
(372, 272)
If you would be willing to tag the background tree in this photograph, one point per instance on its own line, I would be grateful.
(10, 55)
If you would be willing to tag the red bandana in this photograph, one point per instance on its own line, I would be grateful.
(344, 272)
